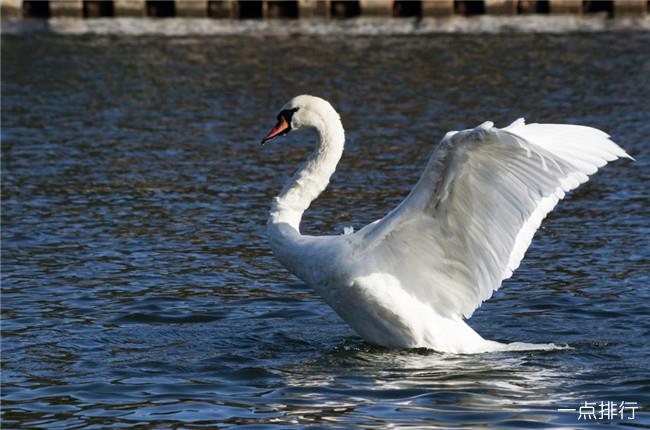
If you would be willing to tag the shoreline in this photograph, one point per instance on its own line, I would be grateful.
(551, 24)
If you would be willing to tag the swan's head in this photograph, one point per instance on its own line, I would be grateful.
(302, 111)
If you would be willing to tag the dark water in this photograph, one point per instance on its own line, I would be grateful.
(137, 285)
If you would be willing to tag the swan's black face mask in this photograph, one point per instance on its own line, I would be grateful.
(282, 127)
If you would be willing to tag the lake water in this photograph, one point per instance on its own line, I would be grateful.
(138, 288)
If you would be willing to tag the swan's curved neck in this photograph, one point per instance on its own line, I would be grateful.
(312, 177)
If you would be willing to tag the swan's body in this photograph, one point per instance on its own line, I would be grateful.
(410, 279)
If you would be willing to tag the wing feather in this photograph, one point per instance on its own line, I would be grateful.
(468, 222)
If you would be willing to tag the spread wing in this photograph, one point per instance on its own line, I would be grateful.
(466, 225)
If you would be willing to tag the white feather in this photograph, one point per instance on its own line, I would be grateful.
(476, 209)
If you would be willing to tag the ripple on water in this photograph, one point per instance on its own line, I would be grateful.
(137, 285)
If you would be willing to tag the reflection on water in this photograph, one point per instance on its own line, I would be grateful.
(419, 388)
(137, 284)
(498, 374)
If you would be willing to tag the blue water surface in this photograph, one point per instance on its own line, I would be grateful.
(138, 289)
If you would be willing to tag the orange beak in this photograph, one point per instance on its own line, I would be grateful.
(282, 127)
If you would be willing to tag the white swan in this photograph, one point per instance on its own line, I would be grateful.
(411, 278)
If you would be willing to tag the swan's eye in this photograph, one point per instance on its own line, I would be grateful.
(287, 114)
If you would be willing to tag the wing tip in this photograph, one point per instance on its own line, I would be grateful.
(521, 121)
(626, 155)
(485, 125)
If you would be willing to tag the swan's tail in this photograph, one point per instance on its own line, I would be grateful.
(454, 335)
